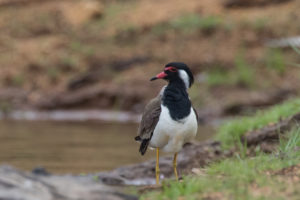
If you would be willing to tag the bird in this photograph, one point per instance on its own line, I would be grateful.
(169, 120)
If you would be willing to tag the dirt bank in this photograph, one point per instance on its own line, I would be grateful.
(53, 58)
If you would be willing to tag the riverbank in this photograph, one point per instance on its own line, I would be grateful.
(263, 176)
(16, 184)
(265, 169)
(254, 158)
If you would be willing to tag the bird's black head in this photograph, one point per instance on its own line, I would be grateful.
(176, 71)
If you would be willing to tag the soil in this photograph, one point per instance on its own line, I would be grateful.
(292, 173)
(101, 54)
(192, 156)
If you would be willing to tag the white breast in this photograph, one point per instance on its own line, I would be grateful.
(171, 135)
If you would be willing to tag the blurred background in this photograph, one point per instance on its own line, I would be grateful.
(74, 74)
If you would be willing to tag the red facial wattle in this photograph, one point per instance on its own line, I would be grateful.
(171, 69)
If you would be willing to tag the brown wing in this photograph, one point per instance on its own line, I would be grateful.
(149, 120)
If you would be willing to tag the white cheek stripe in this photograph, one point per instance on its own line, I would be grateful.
(184, 76)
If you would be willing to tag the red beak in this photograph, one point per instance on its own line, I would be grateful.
(161, 75)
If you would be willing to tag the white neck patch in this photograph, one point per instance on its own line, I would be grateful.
(162, 91)
(185, 78)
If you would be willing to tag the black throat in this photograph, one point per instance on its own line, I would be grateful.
(176, 99)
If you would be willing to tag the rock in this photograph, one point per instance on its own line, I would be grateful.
(251, 3)
(79, 12)
(11, 98)
(96, 70)
(18, 2)
(96, 96)
(192, 156)
(15, 184)
(271, 132)
(257, 100)
(40, 171)
(285, 42)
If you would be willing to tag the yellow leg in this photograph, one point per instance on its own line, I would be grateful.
(175, 166)
(157, 166)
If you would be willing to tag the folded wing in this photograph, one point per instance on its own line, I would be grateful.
(149, 121)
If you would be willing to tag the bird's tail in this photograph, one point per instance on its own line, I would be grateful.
(144, 144)
(137, 138)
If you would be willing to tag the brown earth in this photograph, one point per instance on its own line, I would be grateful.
(101, 54)
(191, 157)
(292, 173)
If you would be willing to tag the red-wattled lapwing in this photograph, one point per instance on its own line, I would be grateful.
(169, 120)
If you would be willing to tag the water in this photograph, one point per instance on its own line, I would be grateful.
(72, 147)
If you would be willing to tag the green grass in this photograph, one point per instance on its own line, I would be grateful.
(5, 106)
(242, 74)
(69, 62)
(219, 77)
(127, 33)
(230, 132)
(81, 48)
(53, 73)
(297, 50)
(193, 22)
(259, 24)
(189, 23)
(239, 178)
(195, 95)
(275, 61)
(18, 80)
(160, 29)
(290, 141)
(113, 11)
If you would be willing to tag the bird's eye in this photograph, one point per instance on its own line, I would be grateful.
(171, 69)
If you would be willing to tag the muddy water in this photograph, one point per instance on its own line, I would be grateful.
(65, 147)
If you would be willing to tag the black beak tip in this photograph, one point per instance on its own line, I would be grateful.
(153, 78)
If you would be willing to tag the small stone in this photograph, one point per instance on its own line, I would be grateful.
(111, 180)
(40, 171)
(198, 171)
